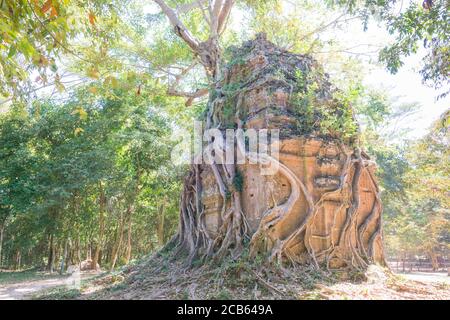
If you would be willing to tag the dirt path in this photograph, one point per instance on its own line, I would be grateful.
(23, 290)
(427, 277)
(410, 286)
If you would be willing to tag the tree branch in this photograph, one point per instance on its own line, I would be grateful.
(224, 14)
(180, 28)
(207, 52)
(190, 95)
(185, 8)
(215, 12)
(205, 16)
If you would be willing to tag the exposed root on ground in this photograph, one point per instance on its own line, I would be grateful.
(160, 278)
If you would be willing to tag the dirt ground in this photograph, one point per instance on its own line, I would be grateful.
(428, 276)
(416, 285)
(160, 280)
(24, 289)
(409, 286)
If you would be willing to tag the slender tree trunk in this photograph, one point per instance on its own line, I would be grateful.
(403, 262)
(50, 255)
(161, 216)
(2, 230)
(107, 256)
(128, 253)
(79, 251)
(57, 255)
(70, 255)
(64, 258)
(131, 210)
(102, 201)
(18, 260)
(89, 251)
(434, 260)
(116, 247)
(54, 254)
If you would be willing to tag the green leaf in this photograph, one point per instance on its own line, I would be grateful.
(26, 48)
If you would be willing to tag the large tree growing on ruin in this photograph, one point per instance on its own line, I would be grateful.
(322, 207)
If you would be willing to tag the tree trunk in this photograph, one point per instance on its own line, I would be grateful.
(101, 222)
(18, 260)
(79, 251)
(403, 262)
(64, 257)
(2, 230)
(434, 259)
(130, 210)
(160, 231)
(116, 248)
(50, 255)
(321, 206)
(128, 251)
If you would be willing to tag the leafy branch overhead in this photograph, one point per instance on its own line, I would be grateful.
(413, 25)
(208, 53)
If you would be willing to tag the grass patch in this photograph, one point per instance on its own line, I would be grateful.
(58, 293)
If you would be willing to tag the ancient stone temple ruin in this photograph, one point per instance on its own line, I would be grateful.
(322, 207)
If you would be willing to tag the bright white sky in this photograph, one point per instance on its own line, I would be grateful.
(406, 86)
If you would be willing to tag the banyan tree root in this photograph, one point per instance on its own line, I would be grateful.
(353, 243)
(234, 230)
(358, 258)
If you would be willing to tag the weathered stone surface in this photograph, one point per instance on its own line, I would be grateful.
(347, 211)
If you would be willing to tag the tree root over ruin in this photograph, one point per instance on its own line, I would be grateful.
(233, 232)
